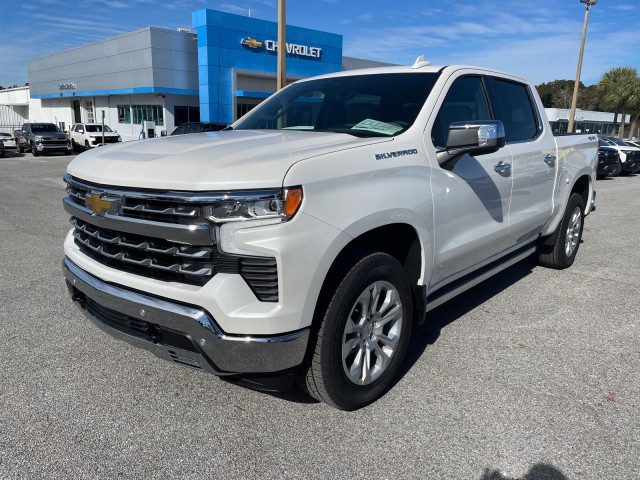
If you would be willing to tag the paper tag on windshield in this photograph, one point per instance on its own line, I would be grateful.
(376, 126)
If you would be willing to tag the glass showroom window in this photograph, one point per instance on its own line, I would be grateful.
(124, 114)
(140, 113)
(136, 114)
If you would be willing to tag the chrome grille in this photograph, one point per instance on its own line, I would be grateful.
(159, 235)
(191, 264)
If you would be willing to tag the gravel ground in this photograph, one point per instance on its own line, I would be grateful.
(531, 375)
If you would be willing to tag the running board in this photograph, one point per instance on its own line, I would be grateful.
(447, 293)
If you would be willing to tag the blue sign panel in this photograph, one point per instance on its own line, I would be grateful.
(228, 42)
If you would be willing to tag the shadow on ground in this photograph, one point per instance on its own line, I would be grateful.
(540, 471)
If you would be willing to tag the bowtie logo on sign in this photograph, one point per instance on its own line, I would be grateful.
(251, 42)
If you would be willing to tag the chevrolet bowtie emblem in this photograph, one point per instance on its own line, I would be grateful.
(251, 42)
(100, 205)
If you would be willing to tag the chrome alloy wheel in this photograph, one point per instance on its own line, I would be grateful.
(573, 232)
(372, 333)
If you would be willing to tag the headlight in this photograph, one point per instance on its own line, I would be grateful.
(276, 205)
(239, 213)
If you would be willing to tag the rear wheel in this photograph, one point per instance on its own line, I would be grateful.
(364, 332)
(559, 251)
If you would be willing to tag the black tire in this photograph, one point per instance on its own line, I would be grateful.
(326, 375)
(74, 145)
(20, 149)
(86, 145)
(560, 249)
(34, 150)
(617, 171)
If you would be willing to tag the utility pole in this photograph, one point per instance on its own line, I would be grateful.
(281, 81)
(574, 101)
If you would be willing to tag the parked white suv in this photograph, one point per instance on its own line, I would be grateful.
(89, 135)
(629, 154)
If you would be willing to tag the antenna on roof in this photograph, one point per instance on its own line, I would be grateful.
(420, 62)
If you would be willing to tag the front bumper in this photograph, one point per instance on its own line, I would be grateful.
(631, 166)
(55, 147)
(183, 334)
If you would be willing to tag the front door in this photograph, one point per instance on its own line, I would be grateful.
(471, 200)
(76, 112)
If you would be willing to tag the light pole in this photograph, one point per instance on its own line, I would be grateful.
(587, 4)
(282, 45)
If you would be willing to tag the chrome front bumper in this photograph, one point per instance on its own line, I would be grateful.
(179, 333)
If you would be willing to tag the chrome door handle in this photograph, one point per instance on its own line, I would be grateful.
(550, 160)
(503, 169)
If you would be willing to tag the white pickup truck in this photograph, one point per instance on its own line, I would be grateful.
(307, 239)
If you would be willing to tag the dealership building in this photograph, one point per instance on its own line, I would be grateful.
(216, 73)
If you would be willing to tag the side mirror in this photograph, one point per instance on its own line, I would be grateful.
(163, 133)
(472, 138)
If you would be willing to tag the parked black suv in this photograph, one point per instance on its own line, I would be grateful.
(608, 161)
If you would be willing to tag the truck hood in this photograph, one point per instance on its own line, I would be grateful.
(228, 160)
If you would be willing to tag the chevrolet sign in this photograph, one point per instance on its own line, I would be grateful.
(292, 48)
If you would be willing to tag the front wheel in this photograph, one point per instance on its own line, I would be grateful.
(20, 149)
(617, 171)
(34, 150)
(559, 251)
(363, 336)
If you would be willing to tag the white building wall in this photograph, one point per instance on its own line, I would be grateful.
(53, 110)
(14, 108)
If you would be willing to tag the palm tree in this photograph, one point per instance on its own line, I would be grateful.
(620, 91)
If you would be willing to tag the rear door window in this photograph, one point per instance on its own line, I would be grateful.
(514, 106)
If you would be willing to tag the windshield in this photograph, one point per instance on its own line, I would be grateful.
(617, 141)
(362, 105)
(97, 128)
(44, 128)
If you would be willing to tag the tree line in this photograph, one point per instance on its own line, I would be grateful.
(617, 91)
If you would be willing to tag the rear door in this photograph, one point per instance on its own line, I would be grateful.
(534, 162)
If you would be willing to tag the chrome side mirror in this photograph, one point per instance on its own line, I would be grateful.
(472, 138)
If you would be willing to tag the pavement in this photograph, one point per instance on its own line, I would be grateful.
(531, 375)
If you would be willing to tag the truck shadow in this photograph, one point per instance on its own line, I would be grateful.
(540, 471)
(447, 313)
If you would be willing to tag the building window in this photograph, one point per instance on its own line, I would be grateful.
(124, 114)
(183, 114)
(136, 114)
(88, 105)
(154, 113)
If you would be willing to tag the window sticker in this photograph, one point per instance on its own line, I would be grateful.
(377, 127)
